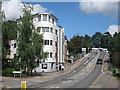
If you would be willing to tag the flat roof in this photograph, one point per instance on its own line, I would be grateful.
(45, 13)
(39, 14)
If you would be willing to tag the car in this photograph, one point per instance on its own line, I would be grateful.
(99, 61)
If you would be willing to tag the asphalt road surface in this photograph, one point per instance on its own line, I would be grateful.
(79, 78)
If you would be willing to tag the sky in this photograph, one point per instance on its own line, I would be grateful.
(77, 18)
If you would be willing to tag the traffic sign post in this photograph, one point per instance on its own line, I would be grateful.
(23, 85)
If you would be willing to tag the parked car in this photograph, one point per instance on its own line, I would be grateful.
(99, 61)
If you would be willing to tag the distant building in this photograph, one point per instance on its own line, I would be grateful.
(12, 50)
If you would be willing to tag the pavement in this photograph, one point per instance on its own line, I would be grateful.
(10, 82)
(106, 80)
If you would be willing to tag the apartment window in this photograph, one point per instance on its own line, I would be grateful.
(46, 42)
(44, 17)
(51, 54)
(14, 45)
(45, 29)
(55, 55)
(56, 32)
(51, 42)
(49, 18)
(39, 30)
(44, 66)
(39, 18)
(51, 30)
(53, 21)
(56, 43)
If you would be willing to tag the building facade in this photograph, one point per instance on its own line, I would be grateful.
(54, 40)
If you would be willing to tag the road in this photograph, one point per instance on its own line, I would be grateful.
(82, 77)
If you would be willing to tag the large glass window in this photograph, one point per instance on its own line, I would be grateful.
(45, 29)
(39, 18)
(44, 17)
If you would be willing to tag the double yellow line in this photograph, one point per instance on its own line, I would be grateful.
(102, 70)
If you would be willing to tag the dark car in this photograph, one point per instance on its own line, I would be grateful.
(99, 61)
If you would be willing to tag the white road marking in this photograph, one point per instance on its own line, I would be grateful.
(83, 77)
(69, 80)
(74, 71)
(64, 82)
(86, 62)
(82, 73)
(55, 87)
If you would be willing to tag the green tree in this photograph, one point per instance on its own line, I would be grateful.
(87, 43)
(96, 40)
(30, 44)
(115, 50)
(9, 32)
(106, 40)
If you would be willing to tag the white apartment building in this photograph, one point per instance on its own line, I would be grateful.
(54, 42)
(53, 36)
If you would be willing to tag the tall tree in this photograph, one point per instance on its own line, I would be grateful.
(96, 39)
(106, 39)
(30, 43)
(87, 43)
(115, 50)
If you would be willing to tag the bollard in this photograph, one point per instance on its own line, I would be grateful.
(23, 85)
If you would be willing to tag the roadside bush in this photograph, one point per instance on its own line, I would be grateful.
(8, 72)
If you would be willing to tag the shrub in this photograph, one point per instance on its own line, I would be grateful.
(8, 72)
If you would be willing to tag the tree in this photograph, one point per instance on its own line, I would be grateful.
(70, 46)
(30, 44)
(115, 50)
(96, 40)
(87, 43)
(9, 32)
